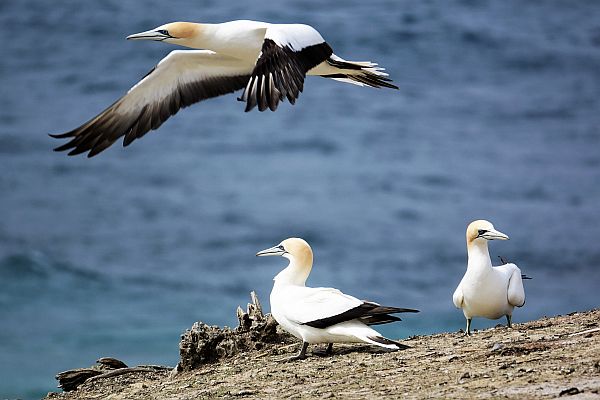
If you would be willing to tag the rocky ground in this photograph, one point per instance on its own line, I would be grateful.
(548, 358)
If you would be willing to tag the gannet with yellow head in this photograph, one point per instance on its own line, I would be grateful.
(268, 61)
(323, 315)
(486, 291)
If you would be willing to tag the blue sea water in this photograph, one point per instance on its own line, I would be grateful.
(497, 117)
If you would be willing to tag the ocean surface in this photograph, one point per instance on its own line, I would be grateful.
(497, 117)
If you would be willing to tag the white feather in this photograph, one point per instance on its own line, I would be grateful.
(295, 36)
(177, 68)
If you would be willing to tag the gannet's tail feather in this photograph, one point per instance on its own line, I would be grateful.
(387, 343)
(361, 73)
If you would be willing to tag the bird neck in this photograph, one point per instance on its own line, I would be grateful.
(295, 273)
(479, 256)
(203, 37)
(238, 39)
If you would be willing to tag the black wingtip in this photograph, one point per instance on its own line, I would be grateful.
(61, 135)
(410, 310)
(249, 105)
(393, 310)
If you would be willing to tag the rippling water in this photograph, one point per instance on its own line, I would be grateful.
(497, 118)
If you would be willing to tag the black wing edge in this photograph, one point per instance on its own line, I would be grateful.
(102, 131)
(367, 312)
(279, 73)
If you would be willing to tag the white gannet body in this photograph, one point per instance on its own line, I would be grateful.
(268, 61)
(323, 315)
(486, 291)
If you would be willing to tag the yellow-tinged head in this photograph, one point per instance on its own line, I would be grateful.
(483, 230)
(182, 33)
(294, 249)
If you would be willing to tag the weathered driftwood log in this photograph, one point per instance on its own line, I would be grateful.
(204, 344)
(70, 380)
(106, 367)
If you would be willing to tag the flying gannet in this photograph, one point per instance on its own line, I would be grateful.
(323, 315)
(268, 61)
(486, 291)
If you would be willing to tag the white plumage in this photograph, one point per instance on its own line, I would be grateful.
(268, 61)
(486, 291)
(323, 315)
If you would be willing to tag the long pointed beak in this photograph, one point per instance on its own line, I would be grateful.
(148, 35)
(271, 251)
(493, 234)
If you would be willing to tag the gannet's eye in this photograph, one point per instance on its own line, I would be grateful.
(163, 32)
(481, 231)
(280, 247)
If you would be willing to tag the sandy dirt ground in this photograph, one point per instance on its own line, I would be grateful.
(547, 358)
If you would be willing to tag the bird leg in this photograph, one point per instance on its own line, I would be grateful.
(322, 353)
(509, 320)
(468, 331)
(299, 356)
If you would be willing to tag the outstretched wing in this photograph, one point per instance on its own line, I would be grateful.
(180, 79)
(288, 53)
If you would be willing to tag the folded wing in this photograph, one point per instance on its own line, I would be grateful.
(457, 297)
(516, 292)
(179, 80)
(324, 307)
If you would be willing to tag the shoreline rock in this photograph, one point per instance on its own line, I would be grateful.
(204, 344)
(546, 358)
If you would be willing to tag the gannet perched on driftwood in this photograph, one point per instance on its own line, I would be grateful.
(268, 61)
(486, 291)
(323, 315)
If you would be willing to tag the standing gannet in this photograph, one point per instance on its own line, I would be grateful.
(268, 61)
(486, 291)
(323, 315)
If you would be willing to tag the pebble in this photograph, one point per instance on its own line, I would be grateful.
(569, 392)
(497, 346)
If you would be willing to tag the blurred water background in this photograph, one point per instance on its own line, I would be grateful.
(498, 117)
